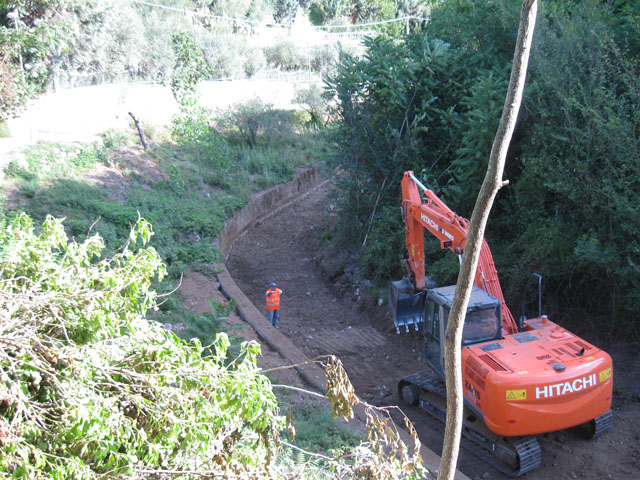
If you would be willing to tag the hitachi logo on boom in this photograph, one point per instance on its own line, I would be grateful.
(432, 223)
(557, 389)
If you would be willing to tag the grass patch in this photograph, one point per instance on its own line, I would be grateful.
(318, 431)
(315, 429)
(55, 160)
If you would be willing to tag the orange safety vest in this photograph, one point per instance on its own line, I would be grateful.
(273, 300)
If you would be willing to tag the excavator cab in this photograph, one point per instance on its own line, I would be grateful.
(483, 322)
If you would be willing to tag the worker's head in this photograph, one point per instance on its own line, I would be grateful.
(273, 285)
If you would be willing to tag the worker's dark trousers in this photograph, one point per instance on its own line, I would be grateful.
(273, 317)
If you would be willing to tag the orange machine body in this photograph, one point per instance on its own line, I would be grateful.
(540, 380)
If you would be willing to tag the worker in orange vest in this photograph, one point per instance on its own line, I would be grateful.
(273, 303)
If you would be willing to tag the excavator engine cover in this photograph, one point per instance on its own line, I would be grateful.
(407, 305)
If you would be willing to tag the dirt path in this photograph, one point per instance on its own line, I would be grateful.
(286, 248)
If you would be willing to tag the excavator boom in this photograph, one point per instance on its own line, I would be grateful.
(431, 213)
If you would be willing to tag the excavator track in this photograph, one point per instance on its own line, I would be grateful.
(513, 456)
(600, 425)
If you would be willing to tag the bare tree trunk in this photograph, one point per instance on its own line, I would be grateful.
(140, 132)
(490, 186)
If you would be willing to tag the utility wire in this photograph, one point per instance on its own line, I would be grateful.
(378, 22)
(283, 25)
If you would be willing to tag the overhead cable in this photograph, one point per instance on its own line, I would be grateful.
(284, 25)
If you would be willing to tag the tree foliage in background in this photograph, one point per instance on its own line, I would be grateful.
(576, 199)
(432, 105)
(402, 107)
(192, 126)
(25, 45)
(70, 43)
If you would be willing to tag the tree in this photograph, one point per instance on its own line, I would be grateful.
(29, 31)
(192, 125)
(578, 184)
(90, 386)
(490, 186)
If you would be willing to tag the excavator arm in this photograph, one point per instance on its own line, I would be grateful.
(430, 213)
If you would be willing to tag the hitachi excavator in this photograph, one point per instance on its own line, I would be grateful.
(519, 379)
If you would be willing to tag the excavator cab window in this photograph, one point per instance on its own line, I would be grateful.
(433, 320)
(481, 325)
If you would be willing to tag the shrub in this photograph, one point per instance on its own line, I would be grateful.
(28, 188)
(90, 385)
(226, 54)
(15, 170)
(323, 58)
(258, 122)
(313, 102)
(254, 62)
(285, 55)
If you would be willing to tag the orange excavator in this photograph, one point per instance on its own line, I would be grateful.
(519, 379)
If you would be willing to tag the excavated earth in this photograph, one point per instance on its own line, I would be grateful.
(323, 317)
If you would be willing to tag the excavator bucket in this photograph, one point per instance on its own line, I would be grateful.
(406, 305)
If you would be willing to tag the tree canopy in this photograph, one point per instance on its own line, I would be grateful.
(430, 102)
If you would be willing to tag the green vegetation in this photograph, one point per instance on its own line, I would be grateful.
(431, 104)
(318, 431)
(196, 185)
(68, 43)
(92, 389)
(105, 398)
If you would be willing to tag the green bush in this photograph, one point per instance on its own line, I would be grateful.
(285, 55)
(323, 59)
(573, 205)
(257, 122)
(228, 55)
(15, 170)
(112, 139)
(254, 62)
(384, 253)
(313, 101)
(90, 385)
(28, 188)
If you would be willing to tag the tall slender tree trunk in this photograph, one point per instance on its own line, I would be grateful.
(490, 186)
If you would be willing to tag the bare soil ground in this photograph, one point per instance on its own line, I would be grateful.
(324, 318)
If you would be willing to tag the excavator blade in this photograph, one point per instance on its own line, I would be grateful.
(406, 305)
